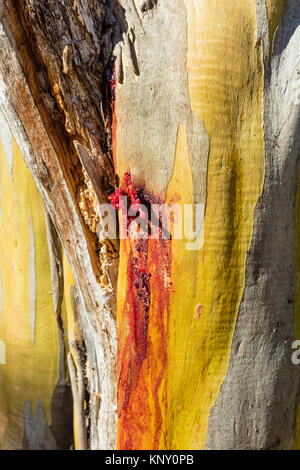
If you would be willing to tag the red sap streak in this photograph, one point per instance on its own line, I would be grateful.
(142, 354)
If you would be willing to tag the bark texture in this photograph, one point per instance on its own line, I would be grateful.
(36, 409)
(215, 369)
(194, 102)
(260, 370)
(56, 94)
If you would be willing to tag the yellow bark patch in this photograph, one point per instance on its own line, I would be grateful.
(27, 321)
(168, 382)
(69, 282)
(225, 75)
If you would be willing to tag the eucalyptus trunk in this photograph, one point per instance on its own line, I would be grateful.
(174, 343)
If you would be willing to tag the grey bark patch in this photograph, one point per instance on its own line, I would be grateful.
(263, 27)
(37, 434)
(257, 403)
(6, 139)
(62, 416)
(158, 101)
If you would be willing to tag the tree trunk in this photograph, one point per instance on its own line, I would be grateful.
(186, 102)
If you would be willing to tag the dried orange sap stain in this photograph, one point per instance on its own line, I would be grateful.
(143, 311)
(145, 288)
(165, 399)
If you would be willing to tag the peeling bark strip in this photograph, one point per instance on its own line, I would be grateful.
(77, 102)
(35, 93)
(56, 265)
(78, 389)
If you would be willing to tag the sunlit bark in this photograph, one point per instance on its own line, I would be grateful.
(195, 102)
